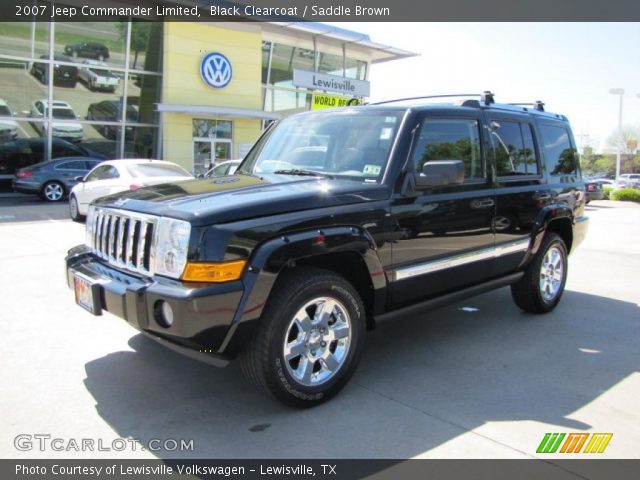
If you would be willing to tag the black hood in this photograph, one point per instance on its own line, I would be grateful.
(237, 197)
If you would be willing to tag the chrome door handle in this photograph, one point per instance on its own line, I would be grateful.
(483, 203)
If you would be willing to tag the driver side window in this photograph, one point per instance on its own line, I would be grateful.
(450, 139)
(103, 172)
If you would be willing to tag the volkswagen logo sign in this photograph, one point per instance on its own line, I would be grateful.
(215, 70)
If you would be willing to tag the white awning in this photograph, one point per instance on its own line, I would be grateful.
(217, 111)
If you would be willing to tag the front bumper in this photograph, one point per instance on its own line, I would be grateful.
(202, 316)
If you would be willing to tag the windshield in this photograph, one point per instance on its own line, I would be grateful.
(4, 110)
(63, 113)
(347, 144)
(157, 170)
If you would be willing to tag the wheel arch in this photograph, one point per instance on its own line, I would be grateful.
(347, 251)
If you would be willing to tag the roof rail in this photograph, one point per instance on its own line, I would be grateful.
(423, 97)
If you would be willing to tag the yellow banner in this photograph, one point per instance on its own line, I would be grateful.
(322, 100)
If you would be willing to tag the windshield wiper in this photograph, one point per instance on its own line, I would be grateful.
(302, 172)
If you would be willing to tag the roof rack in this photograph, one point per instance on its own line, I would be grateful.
(537, 105)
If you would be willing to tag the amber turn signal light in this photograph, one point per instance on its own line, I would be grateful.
(213, 272)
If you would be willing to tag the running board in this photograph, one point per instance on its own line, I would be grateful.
(418, 308)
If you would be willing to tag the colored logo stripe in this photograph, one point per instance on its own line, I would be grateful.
(598, 442)
(574, 443)
(550, 443)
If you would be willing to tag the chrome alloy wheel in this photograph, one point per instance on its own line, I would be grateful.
(53, 192)
(317, 341)
(551, 274)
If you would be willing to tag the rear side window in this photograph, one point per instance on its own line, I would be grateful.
(450, 139)
(72, 165)
(156, 170)
(514, 149)
(559, 154)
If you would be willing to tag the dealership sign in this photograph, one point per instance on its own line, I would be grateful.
(324, 100)
(330, 83)
(215, 70)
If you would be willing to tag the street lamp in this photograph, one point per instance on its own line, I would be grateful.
(618, 91)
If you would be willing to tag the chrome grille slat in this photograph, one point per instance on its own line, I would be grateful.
(124, 239)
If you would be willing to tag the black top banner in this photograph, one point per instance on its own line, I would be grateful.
(322, 10)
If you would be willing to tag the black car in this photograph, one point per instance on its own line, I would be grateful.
(87, 50)
(111, 111)
(63, 75)
(335, 220)
(53, 180)
(24, 152)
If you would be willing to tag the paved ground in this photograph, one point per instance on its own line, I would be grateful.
(485, 383)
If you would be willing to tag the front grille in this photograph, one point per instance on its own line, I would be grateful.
(123, 239)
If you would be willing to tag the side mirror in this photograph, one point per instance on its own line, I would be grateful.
(79, 179)
(438, 173)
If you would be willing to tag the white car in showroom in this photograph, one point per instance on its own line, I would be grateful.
(116, 176)
(71, 131)
(8, 128)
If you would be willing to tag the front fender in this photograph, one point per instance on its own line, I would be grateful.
(272, 256)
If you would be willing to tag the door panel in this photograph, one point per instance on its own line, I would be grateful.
(444, 238)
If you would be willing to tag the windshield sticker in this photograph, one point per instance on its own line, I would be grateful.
(371, 170)
(389, 119)
(386, 133)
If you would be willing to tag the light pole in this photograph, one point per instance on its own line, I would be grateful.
(618, 91)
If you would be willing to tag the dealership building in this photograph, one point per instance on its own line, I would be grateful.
(193, 93)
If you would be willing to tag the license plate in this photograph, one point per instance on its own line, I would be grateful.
(87, 294)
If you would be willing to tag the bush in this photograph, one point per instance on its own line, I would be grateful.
(607, 191)
(626, 194)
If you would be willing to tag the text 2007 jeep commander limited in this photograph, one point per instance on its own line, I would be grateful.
(332, 221)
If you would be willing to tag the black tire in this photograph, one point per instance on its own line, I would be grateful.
(528, 293)
(263, 360)
(53, 191)
(74, 213)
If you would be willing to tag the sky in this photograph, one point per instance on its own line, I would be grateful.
(569, 66)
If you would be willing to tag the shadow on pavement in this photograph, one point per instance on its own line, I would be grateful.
(30, 208)
(421, 382)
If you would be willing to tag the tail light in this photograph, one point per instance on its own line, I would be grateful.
(134, 186)
(591, 187)
(24, 174)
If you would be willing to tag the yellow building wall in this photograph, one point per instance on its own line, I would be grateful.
(185, 44)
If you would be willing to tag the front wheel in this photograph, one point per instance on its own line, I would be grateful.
(541, 287)
(74, 209)
(309, 340)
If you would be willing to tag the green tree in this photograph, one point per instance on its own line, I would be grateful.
(140, 32)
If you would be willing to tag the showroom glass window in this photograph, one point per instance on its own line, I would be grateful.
(105, 80)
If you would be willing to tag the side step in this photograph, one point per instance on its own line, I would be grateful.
(432, 303)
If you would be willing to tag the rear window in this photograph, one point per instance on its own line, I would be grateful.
(63, 113)
(156, 170)
(559, 154)
(4, 110)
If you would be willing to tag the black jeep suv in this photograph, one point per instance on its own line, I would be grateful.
(334, 220)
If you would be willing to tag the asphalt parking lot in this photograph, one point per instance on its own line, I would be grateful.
(478, 379)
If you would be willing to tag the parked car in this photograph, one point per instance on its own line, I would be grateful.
(54, 179)
(8, 128)
(71, 131)
(223, 168)
(120, 175)
(604, 182)
(284, 267)
(96, 76)
(24, 152)
(63, 75)
(87, 50)
(593, 190)
(111, 111)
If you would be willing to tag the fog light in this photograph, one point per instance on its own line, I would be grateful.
(163, 313)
